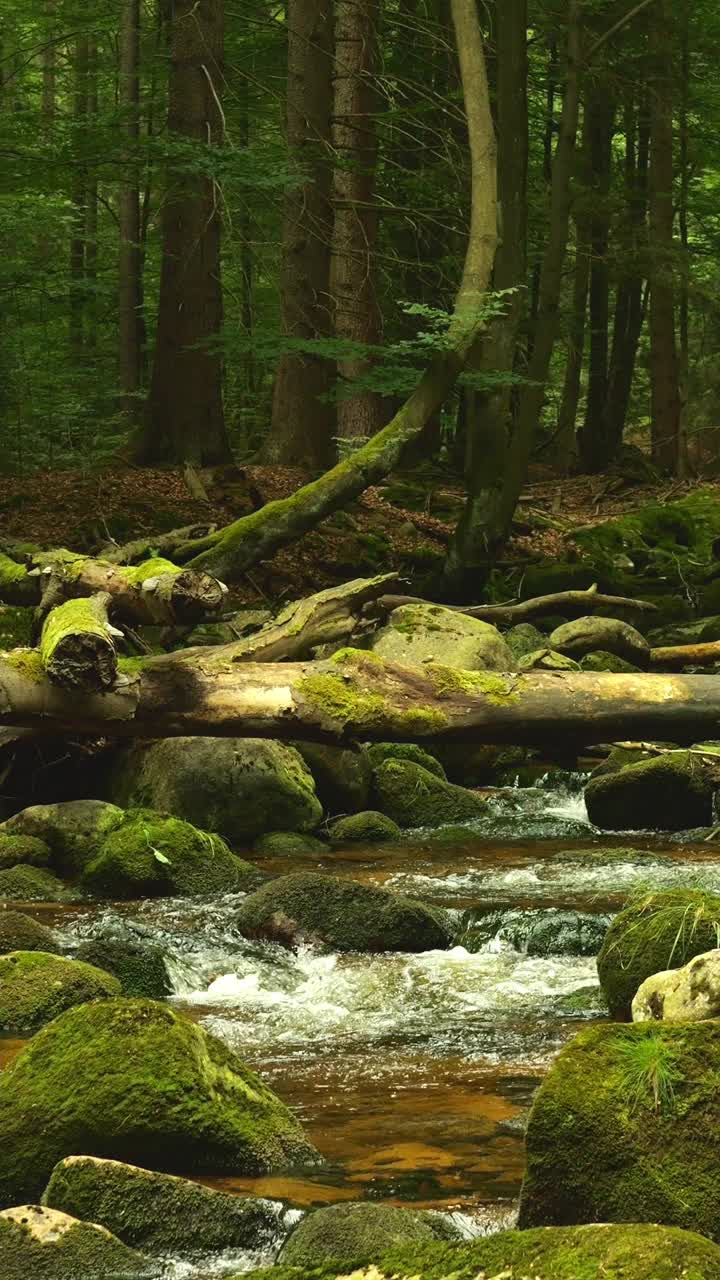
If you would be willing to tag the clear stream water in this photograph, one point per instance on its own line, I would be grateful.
(411, 1073)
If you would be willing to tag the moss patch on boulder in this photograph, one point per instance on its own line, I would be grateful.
(369, 827)
(657, 931)
(74, 830)
(524, 638)
(341, 914)
(419, 633)
(601, 660)
(36, 986)
(158, 1212)
(139, 966)
(344, 1232)
(671, 792)
(133, 1080)
(379, 752)
(32, 884)
(19, 932)
(45, 1243)
(23, 849)
(414, 797)
(276, 844)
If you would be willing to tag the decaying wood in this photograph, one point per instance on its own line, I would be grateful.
(77, 645)
(686, 655)
(564, 602)
(163, 544)
(358, 696)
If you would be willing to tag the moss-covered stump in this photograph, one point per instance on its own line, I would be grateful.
(670, 792)
(32, 884)
(28, 850)
(349, 1231)
(379, 752)
(240, 787)
(414, 797)
(157, 1212)
(139, 966)
(74, 830)
(369, 827)
(342, 775)
(612, 1252)
(19, 932)
(36, 986)
(625, 1128)
(293, 843)
(690, 994)
(587, 635)
(152, 856)
(47, 1244)
(133, 1080)
(420, 633)
(656, 932)
(341, 914)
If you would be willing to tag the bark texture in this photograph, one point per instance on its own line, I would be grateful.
(129, 265)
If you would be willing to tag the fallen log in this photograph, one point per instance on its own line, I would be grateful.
(576, 602)
(356, 696)
(152, 545)
(686, 655)
(77, 645)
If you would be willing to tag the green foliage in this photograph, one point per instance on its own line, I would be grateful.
(649, 1072)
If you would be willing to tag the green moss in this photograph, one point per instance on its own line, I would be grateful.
(27, 663)
(367, 827)
(66, 620)
(139, 966)
(657, 931)
(154, 568)
(36, 986)
(293, 843)
(34, 1242)
(74, 830)
(487, 684)
(133, 1080)
(31, 884)
(348, 1231)
(360, 711)
(19, 932)
(608, 662)
(26, 849)
(381, 751)
(413, 797)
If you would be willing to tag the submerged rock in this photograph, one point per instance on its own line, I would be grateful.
(240, 787)
(28, 850)
(74, 830)
(658, 931)
(32, 884)
(538, 932)
(591, 634)
(625, 1128)
(690, 994)
(139, 966)
(341, 914)
(133, 1080)
(413, 797)
(670, 792)
(345, 1232)
(40, 1242)
(35, 987)
(19, 932)
(158, 1212)
(418, 633)
(369, 827)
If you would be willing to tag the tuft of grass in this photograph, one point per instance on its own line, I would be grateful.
(649, 1072)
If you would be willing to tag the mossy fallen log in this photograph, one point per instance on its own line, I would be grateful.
(77, 645)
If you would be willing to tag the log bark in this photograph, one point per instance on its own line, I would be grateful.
(686, 655)
(77, 645)
(575, 602)
(358, 697)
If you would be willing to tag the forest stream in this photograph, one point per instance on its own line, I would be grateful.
(411, 1073)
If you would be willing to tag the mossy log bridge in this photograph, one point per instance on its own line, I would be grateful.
(357, 696)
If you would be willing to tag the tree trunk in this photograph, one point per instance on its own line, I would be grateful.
(664, 367)
(49, 69)
(78, 196)
(186, 419)
(354, 262)
(91, 200)
(129, 266)
(596, 439)
(566, 445)
(303, 422)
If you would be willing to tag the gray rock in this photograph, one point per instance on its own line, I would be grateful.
(690, 994)
(588, 635)
(419, 633)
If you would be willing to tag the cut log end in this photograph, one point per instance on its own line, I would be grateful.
(196, 594)
(85, 662)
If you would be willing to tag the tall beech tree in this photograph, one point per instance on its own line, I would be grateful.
(130, 261)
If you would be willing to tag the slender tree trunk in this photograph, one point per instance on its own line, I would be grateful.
(91, 200)
(630, 307)
(566, 443)
(684, 237)
(78, 196)
(664, 366)
(354, 263)
(49, 69)
(596, 440)
(130, 299)
(303, 420)
(186, 419)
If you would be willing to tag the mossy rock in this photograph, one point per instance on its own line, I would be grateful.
(73, 829)
(418, 633)
(369, 827)
(19, 932)
(36, 986)
(139, 966)
(537, 932)
(28, 850)
(342, 775)
(349, 1231)
(152, 856)
(625, 1128)
(607, 662)
(547, 660)
(611, 1252)
(134, 1080)
(158, 1212)
(32, 884)
(703, 631)
(658, 931)
(342, 915)
(276, 844)
(46, 1244)
(524, 638)
(414, 797)
(240, 787)
(588, 635)
(379, 752)
(670, 792)
(16, 626)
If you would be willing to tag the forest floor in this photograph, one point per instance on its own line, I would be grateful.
(403, 525)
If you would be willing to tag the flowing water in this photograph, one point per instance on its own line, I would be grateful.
(413, 1073)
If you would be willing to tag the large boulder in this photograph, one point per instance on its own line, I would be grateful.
(240, 787)
(25, 849)
(379, 752)
(341, 914)
(134, 1080)
(139, 966)
(45, 1243)
(588, 635)
(524, 638)
(345, 1232)
(74, 830)
(152, 856)
(414, 797)
(670, 792)
(418, 633)
(342, 775)
(658, 931)
(19, 932)
(625, 1128)
(158, 1212)
(32, 884)
(368, 827)
(690, 994)
(35, 987)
